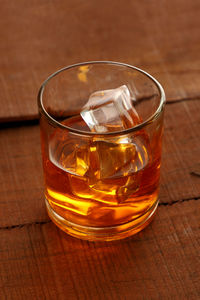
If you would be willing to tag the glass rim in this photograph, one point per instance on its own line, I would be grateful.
(140, 126)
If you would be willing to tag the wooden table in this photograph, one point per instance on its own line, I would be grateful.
(38, 261)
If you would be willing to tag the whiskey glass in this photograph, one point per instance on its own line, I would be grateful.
(100, 186)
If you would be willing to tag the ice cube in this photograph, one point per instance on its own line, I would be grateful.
(109, 159)
(77, 162)
(131, 186)
(116, 193)
(103, 192)
(110, 110)
(69, 153)
(107, 110)
(98, 159)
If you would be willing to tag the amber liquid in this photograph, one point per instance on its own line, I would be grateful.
(100, 183)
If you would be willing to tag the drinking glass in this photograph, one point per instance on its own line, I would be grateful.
(100, 185)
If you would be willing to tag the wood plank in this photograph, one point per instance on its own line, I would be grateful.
(181, 152)
(21, 173)
(41, 37)
(21, 176)
(162, 262)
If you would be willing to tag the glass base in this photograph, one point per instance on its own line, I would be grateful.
(102, 233)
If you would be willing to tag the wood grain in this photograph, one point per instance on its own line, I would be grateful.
(21, 177)
(40, 37)
(162, 262)
(181, 152)
(37, 260)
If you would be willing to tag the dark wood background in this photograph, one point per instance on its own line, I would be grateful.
(38, 261)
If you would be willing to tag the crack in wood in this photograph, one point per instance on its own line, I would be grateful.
(25, 224)
(178, 201)
(195, 173)
(30, 121)
(193, 98)
(18, 123)
(49, 221)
